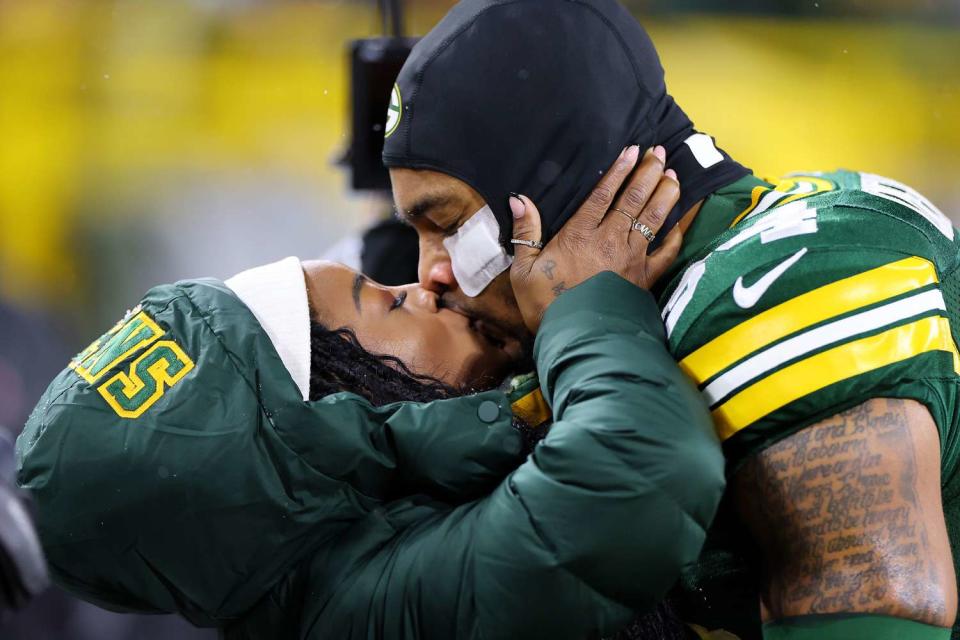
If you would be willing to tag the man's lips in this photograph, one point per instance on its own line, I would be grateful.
(492, 332)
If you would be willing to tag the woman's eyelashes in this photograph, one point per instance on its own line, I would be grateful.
(398, 300)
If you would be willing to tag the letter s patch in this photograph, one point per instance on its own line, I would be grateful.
(132, 392)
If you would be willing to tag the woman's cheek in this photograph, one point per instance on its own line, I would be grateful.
(452, 355)
(428, 353)
(405, 349)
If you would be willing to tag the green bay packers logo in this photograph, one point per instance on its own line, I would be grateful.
(160, 365)
(789, 189)
(394, 111)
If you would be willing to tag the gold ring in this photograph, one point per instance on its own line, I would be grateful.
(630, 217)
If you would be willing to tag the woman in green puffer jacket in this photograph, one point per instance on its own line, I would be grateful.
(219, 493)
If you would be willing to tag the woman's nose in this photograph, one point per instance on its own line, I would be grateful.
(418, 298)
(429, 300)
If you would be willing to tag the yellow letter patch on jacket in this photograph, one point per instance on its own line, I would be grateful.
(130, 392)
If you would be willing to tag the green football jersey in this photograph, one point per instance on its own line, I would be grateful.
(795, 300)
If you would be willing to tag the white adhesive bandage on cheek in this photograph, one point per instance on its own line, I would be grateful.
(476, 254)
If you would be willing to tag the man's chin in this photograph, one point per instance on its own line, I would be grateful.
(494, 377)
(523, 366)
(521, 354)
(512, 338)
(516, 343)
(519, 350)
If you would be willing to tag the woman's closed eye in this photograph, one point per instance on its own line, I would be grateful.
(398, 300)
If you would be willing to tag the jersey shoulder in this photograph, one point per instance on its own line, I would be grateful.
(826, 291)
(872, 196)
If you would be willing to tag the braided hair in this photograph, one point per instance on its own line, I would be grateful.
(339, 363)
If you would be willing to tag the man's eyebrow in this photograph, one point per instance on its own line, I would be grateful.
(423, 206)
(358, 281)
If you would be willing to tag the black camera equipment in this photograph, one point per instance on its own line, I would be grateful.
(374, 66)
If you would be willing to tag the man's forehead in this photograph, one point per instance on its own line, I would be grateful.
(417, 192)
(422, 204)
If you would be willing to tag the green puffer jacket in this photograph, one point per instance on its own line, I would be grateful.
(176, 468)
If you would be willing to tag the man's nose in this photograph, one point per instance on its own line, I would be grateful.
(435, 271)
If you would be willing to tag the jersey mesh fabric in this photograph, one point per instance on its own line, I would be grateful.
(795, 299)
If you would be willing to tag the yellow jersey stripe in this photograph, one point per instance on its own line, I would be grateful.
(831, 366)
(826, 335)
(532, 409)
(805, 310)
(786, 191)
(754, 201)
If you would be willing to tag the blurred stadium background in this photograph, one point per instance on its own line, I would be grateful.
(144, 141)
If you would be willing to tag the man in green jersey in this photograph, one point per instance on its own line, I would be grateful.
(816, 313)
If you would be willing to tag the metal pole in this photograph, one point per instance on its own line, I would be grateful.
(384, 11)
(396, 18)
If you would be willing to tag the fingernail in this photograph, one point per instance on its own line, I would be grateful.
(631, 153)
(516, 206)
(670, 173)
(660, 152)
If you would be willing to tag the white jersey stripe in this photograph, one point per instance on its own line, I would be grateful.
(770, 359)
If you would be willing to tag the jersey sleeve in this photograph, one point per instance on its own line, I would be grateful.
(809, 311)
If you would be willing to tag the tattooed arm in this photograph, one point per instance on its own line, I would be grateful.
(848, 517)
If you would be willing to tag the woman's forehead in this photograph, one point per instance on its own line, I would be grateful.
(329, 288)
(326, 272)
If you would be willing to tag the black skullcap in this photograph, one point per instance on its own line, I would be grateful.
(540, 97)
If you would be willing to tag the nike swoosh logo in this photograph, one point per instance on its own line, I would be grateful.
(747, 297)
